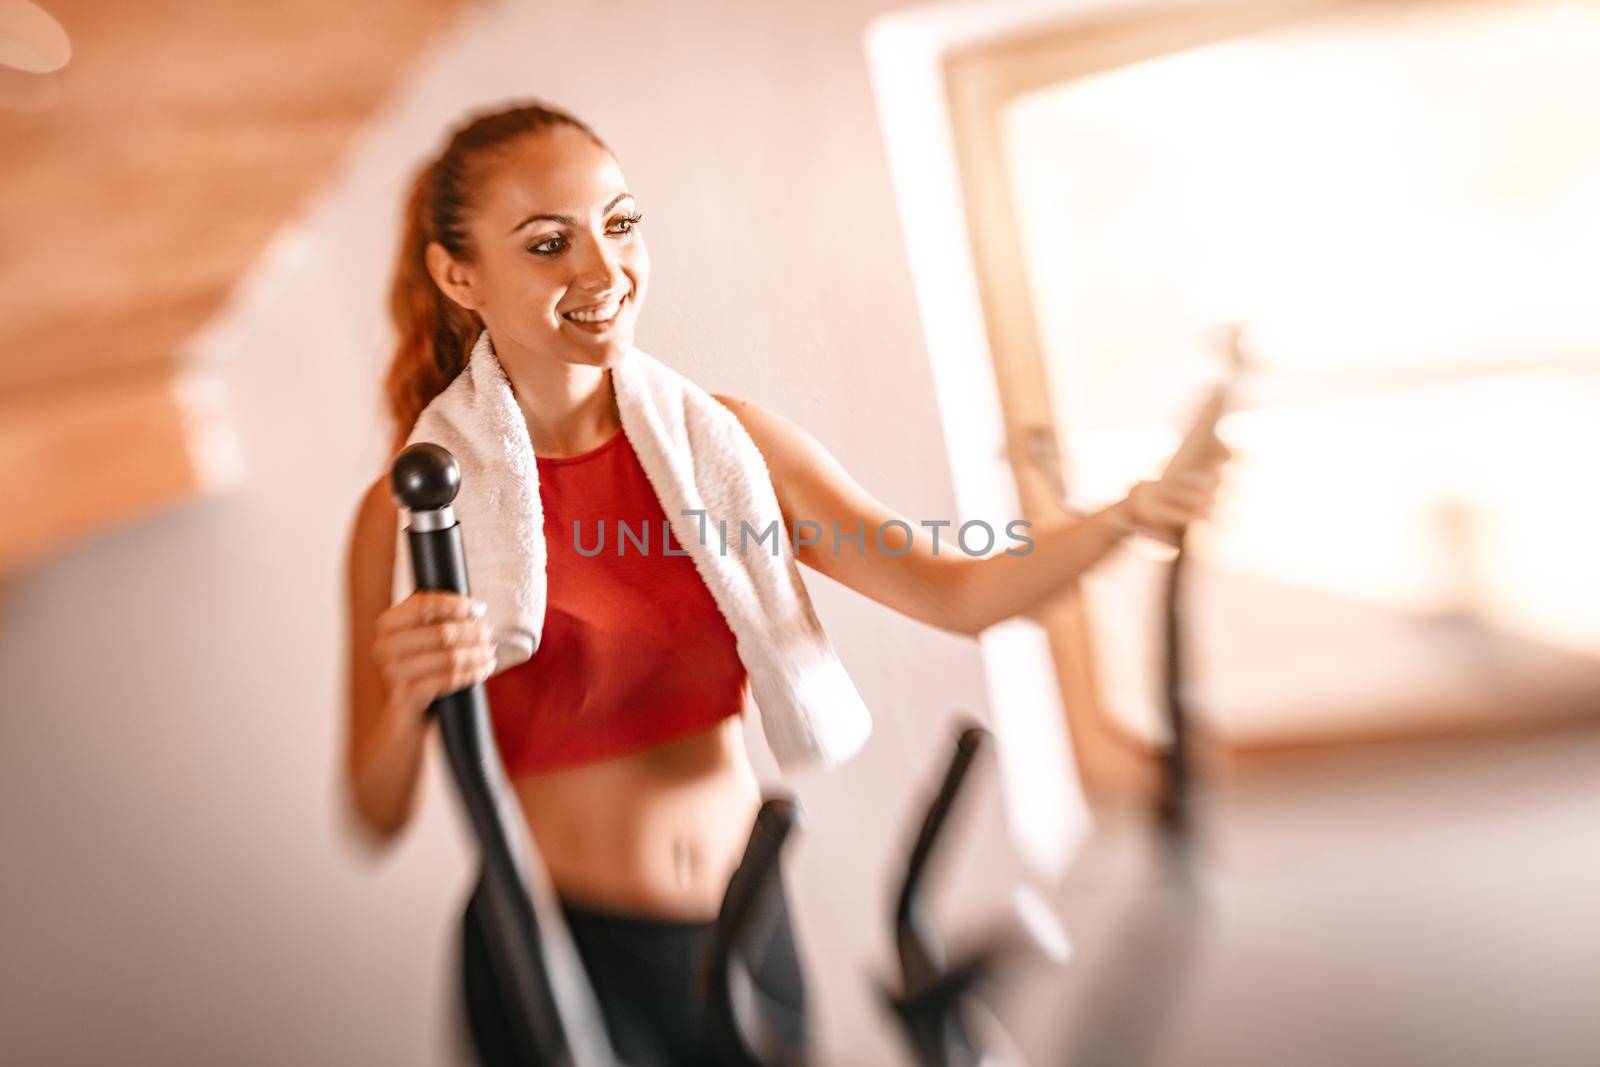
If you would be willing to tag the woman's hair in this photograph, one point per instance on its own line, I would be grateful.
(435, 334)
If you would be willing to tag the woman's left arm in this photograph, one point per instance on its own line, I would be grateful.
(939, 584)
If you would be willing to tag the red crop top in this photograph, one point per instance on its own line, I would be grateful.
(635, 652)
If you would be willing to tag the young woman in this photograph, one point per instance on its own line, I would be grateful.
(629, 768)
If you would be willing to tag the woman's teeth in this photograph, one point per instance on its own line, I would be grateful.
(601, 314)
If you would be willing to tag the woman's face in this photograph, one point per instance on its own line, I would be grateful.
(553, 233)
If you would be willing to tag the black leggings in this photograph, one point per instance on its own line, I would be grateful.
(647, 975)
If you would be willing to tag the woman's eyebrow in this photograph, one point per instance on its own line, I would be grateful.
(567, 219)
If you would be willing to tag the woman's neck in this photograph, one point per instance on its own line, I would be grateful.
(570, 408)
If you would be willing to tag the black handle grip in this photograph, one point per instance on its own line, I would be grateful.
(748, 1027)
(540, 1005)
(921, 954)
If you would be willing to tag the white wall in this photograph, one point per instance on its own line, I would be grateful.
(178, 884)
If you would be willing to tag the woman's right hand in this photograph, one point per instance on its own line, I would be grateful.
(431, 644)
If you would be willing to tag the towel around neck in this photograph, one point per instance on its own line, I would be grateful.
(704, 469)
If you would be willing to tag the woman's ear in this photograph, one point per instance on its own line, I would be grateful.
(453, 277)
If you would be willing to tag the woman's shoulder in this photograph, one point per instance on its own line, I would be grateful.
(763, 426)
(780, 440)
(372, 530)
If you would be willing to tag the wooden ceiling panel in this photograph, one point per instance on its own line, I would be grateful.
(137, 185)
(182, 135)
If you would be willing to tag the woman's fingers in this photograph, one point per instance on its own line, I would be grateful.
(432, 643)
(1183, 496)
(1171, 505)
(437, 673)
(1183, 490)
(448, 662)
(1207, 478)
(428, 606)
(457, 633)
(1171, 515)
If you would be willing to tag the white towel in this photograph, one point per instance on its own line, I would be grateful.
(698, 457)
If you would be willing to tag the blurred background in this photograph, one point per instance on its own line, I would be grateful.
(992, 254)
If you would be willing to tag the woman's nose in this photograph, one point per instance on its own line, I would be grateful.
(599, 268)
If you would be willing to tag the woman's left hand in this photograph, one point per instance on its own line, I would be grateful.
(1188, 485)
(1170, 503)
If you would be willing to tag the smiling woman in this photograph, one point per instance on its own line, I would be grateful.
(621, 734)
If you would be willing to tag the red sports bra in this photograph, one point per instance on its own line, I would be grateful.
(635, 652)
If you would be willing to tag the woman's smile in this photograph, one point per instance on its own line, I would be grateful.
(599, 318)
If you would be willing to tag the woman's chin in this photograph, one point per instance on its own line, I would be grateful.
(600, 351)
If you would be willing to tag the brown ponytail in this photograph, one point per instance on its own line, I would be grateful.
(435, 334)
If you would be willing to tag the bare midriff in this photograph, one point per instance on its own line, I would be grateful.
(657, 832)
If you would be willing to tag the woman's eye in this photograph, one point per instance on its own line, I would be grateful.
(630, 221)
(552, 246)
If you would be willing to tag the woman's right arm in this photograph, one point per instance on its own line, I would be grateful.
(400, 659)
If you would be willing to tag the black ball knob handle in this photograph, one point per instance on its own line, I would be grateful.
(425, 477)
